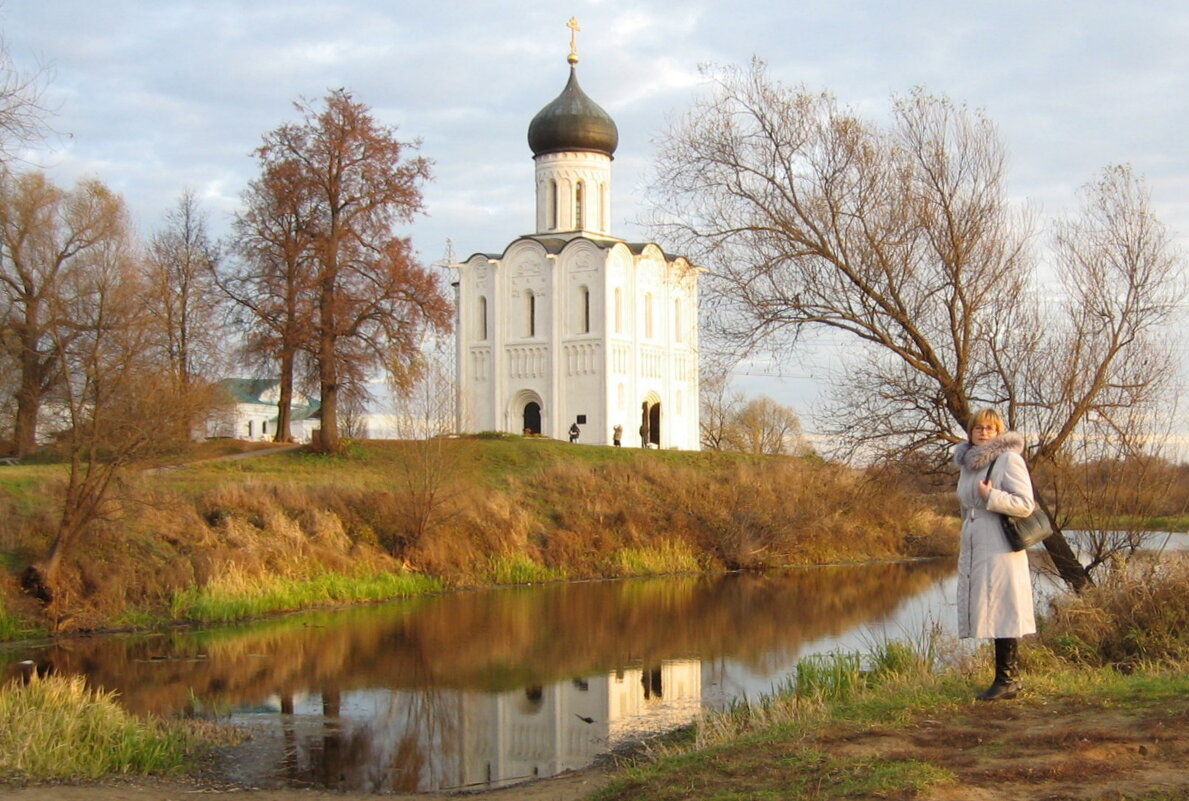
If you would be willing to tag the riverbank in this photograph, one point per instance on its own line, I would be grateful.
(222, 540)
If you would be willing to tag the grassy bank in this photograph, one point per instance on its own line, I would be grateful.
(211, 540)
(1105, 678)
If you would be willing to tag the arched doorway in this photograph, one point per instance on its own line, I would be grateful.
(650, 423)
(532, 418)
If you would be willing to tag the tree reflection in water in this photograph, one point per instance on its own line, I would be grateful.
(472, 689)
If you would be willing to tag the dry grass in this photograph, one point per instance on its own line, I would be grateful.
(488, 511)
(1137, 614)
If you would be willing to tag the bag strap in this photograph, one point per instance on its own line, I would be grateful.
(992, 464)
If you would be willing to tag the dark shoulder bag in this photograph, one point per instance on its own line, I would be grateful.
(1024, 532)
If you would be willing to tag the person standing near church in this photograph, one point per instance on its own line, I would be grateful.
(617, 435)
(574, 432)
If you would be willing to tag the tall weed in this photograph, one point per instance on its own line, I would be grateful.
(56, 728)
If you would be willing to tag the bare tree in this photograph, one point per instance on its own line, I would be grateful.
(184, 303)
(46, 237)
(763, 426)
(22, 114)
(373, 300)
(718, 403)
(903, 239)
(427, 482)
(114, 400)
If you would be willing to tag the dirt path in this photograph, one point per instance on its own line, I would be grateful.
(569, 787)
(1031, 749)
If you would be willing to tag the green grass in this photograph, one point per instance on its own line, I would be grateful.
(55, 728)
(493, 462)
(13, 627)
(238, 597)
(519, 569)
(667, 558)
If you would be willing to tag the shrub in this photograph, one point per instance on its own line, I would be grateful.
(1137, 614)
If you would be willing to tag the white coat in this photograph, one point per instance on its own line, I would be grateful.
(994, 583)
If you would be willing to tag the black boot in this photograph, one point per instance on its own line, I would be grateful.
(1007, 672)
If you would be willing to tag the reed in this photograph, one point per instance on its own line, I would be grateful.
(56, 728)
(10, 625)
(667, 558)
(519, 568)
(238, 595)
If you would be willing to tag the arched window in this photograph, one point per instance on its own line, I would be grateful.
(553, 204)
(482, 318)
(648, 315)
(618, 310)
(676, 319)
(579, 206)
(584, 310)
(531, 311)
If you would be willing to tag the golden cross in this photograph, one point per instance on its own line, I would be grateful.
(573, 26)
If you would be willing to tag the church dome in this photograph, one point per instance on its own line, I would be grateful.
(572, 121)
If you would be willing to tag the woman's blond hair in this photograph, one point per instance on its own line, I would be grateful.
(986, 417)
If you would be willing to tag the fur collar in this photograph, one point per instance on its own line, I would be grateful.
(977, 457)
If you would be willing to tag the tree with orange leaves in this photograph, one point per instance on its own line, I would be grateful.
(349, 181)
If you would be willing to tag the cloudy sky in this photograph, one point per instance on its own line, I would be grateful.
(153, 96)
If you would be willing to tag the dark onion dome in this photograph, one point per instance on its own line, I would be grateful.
(572, 122)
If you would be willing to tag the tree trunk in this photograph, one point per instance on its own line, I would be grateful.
(38, 580)
(24, 433)
(1068, 567)
(285, 403)
(328, 372)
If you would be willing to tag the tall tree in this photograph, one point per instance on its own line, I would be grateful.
(372, 299)
(902, 238)
(47, 234)
(185, 304)
(272, 280)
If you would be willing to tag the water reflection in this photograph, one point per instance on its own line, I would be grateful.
(476, 689)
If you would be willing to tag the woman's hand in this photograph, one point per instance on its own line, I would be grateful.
(984, 488)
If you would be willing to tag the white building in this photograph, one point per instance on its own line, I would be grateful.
(572, 324)
(249, 411)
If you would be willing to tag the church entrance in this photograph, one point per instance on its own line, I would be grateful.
(532, 418)
(650, 424)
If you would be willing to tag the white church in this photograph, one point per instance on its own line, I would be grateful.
(572, 325)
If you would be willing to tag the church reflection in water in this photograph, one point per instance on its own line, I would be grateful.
(385, 741)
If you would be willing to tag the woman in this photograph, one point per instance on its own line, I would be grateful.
(994, 586)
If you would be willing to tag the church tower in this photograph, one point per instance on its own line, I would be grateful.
(570, 324)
